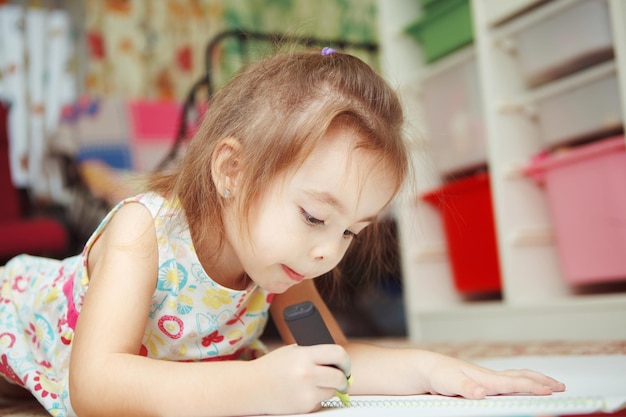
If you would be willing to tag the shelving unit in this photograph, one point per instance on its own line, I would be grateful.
(535, 302)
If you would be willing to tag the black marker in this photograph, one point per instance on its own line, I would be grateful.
(308, 328)
(306, 325)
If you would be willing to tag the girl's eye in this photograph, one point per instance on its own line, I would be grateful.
(348, 234)
(310, 219)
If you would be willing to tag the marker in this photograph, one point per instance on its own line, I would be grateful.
(307, 327)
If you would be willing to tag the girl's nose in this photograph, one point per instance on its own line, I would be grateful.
(328, 251)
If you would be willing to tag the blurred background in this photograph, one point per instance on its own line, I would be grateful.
(515, 227)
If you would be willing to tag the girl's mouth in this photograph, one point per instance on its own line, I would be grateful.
(293, 275)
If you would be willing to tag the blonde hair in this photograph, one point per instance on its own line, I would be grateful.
(279, 109)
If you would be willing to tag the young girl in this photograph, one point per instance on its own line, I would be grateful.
(295, 158)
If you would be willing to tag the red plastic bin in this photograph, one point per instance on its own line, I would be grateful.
(467, 213)
(586, 190)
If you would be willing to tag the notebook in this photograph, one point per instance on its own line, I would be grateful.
(595, 383)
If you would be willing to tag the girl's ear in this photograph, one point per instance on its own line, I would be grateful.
(226, 166)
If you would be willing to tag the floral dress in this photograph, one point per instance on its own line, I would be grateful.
(192, 318)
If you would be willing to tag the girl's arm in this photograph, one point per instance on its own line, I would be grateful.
(380, 370)
(109, 377)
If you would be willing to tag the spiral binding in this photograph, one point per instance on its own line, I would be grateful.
(543, 403)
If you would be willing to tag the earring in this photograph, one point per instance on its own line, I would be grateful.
(226, 193)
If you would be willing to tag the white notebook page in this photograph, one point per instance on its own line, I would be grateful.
(594, 383)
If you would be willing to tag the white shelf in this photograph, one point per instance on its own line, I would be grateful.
(536, 303)
(500, 11)
(589, 318)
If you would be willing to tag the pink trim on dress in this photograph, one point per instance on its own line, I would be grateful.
(72, 313)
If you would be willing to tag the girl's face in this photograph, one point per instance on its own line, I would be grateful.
(306, 220)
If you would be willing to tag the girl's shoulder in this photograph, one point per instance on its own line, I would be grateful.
(155, 202)
(145, 208)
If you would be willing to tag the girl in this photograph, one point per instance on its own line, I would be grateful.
(296, 157)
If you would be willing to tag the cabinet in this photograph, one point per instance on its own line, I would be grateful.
(535, 302)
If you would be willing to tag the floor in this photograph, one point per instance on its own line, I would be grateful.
(467, 350)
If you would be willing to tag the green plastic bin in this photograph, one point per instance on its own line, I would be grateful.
(430, 4)
(443, 28)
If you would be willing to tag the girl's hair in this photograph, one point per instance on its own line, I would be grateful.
(279, 109)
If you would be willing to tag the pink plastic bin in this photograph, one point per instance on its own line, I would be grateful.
(153, 127)
(154, 120)
(586, 188)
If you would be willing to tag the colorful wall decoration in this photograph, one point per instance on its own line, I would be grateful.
(155, 49)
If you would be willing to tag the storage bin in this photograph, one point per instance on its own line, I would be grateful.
(453, 116)
(589, 109)
(586, 192)
(467, 213)
(117, 156)
(564, 42)
(443, 27)
(153, 129)
(100, 121)
(429, 4)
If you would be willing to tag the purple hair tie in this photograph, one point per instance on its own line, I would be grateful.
(328, 51)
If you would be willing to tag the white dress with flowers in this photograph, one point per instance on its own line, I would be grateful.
(192, 318)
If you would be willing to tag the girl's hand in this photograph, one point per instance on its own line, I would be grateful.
(450, 376)
(296, 379)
